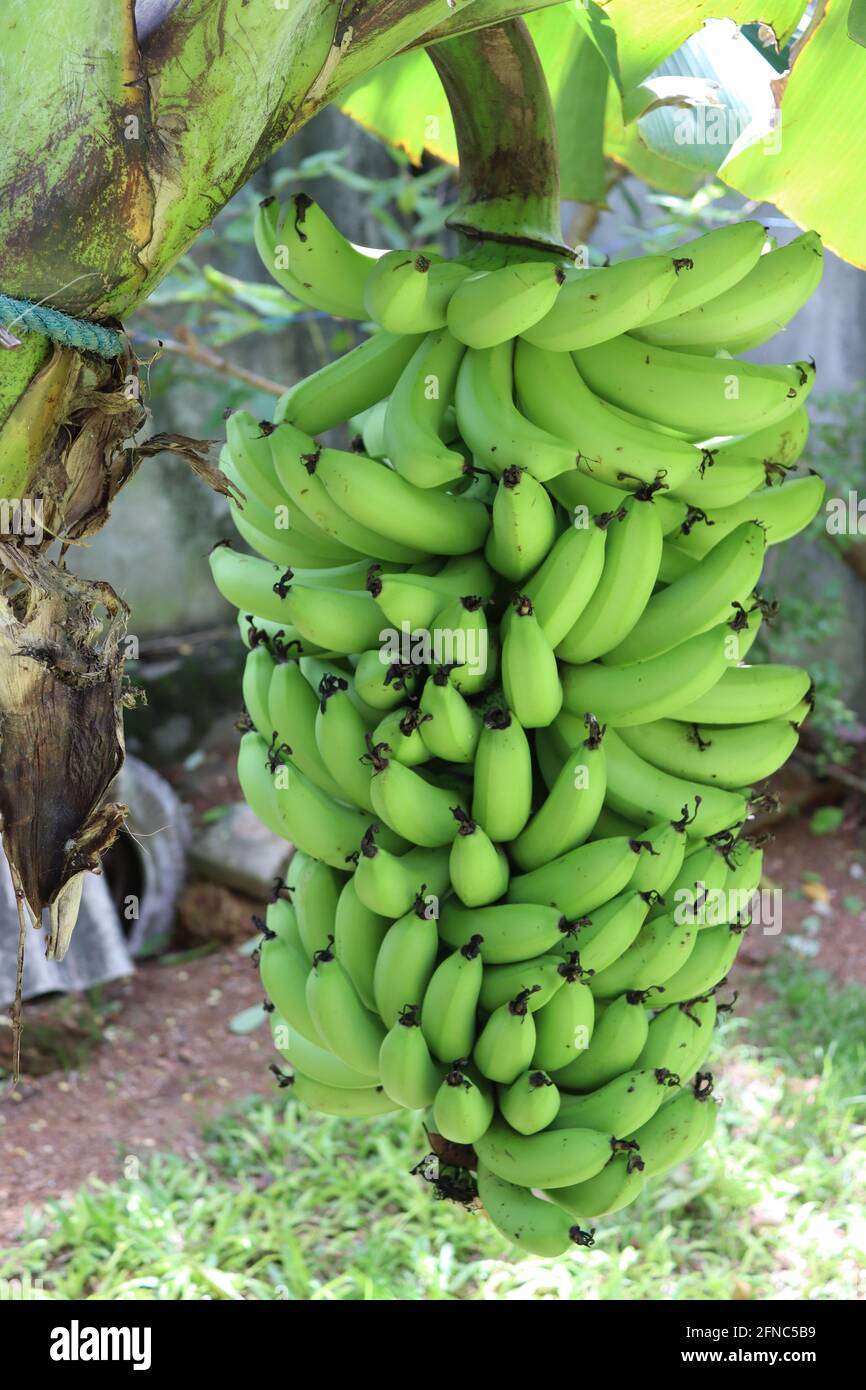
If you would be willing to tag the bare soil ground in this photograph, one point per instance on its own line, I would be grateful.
(146, 1064)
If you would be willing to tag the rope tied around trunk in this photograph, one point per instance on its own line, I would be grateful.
(62, 328)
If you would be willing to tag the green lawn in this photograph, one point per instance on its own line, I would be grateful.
(286, 1205)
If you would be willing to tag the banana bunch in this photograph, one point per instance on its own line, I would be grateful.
(499, 697)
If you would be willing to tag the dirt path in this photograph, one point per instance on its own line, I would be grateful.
(159, 1059)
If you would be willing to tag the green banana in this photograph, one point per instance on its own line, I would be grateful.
(619, 1183)
(292, 706)
(450, 1001)
(452, 727)
(358, 936)
(621, 1105)
(570, 810)
(315, 1061)
(463, 1105)
(256, 684)
(310, 259)
(312, 820)
(504, 1048)
(502, 780)
(341, 739)
(704, 871)
(411, 806)
(382, 684)
(388, 884)
(405, 963)
(661, 858)
(714, 954)
(415, 414)
(645, 794)
(478, 869)
(696, 395)
(579, 881)
(680, 1036)
(336, 1100)
(659, 949)
(538, 978)
(524, 525)
(401, 730)
(585, 498)
(677, 1129)
(556, 398)
(350, 1031)
(565, 582)
(498, 434)
(607, 933)
(597, 304)
(650, 688)
(408, 292)
(753, 309)
(730, 757)
(491, 307)
(748, 695)
(555, 1158)
(409, 1074)
(315, 889)
(284, 971)
(632, 557)
(719, 259)
(510, 931)
(281, 920)
(782, 511)
(700, 600)
(619, 1035)
(417, 599)
(462, 626)
(529, 1222)
(428, 520)
(530, 677)
(530, 1103)
(353, 383)
(563, 1026)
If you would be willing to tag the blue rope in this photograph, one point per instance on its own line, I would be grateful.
(23, 315)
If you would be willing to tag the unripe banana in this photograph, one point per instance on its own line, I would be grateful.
(602, 937)
(258, 671)
(719, 259)
(405, 963)
(502, 782)
(306, 816)
(714, 954)
(306, 254)
(663, 849)
(463, 1106)
(382, 685)
(524, 525)
(452, 727)
(581, 880)
(335, 1100)
(661, 947)
(353, 383)
(619, 1183)
(621, 1105)
(632, 556)
(408, 292)
(619, 1035)
(506, 1043)
(388, 884)
(529, 673)
(493, 306)
(284, 971)
(704, 871)
(315, 889)
(350, 1031)
(679, 1037)
(535, 1225)
(478, 869)
(530, 1103)
(511, 931)
(782, 511)
(564, 1024)
(411, 806)
(409, 1074)
(358, 936)
(677, 1129)
(462, 624)
(645, 794)
(585, 497)
(568, 814)
(498, 434)
(731, 757)
(292, 706)
(257, 783)
(316, 1063)
(417, 599)
(594, 305)
(415, 414)
(401, 730)
(748, 695)
(565, 583)
(341, 739)
(555, 1158)
(698, 395)
(280, 918)
(450, 1001)
(539, 979)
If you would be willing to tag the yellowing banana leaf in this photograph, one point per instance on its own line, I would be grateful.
(811, 164)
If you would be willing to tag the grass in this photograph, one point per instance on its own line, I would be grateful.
(285, 1205)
